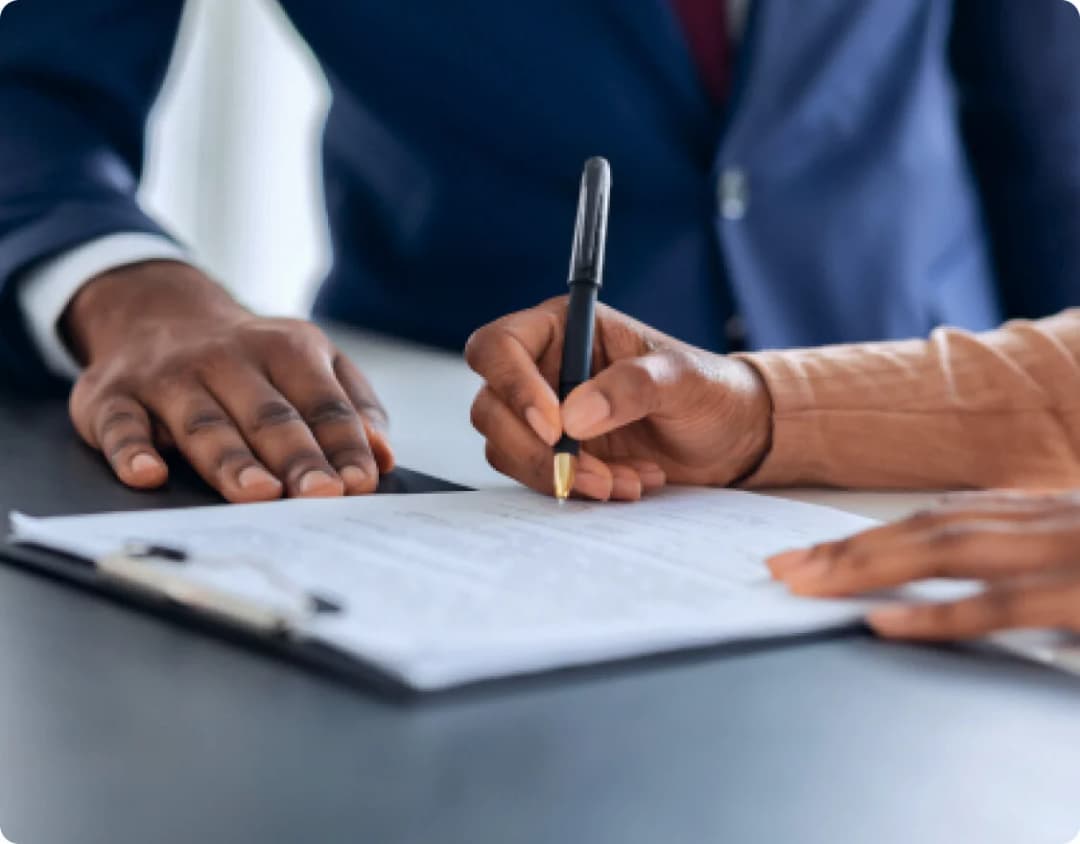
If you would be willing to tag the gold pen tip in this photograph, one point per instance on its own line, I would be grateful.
(564, 475)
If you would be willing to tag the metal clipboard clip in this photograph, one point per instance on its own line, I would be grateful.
(164, 572)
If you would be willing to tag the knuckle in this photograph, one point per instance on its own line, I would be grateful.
(349, 455)
(126, 443)
(372, 410)
(637, 378)
(234, 457)
(170, 382)
(858, 560)
(328, 410)
(117, 417)
(273, 414)
(89, 387)
(203, 421)
(300, 337)
(209, 360)
(950, 537)
(487, 349)
(474, 347)
(480, 412)
(94, 389)
(830, 552)
(517, 396)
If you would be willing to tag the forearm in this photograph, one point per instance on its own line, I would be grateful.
(959, 410)
(78, 80)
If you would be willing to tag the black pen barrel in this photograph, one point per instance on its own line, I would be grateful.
(578, 340)
(585, 277)
(577, 346)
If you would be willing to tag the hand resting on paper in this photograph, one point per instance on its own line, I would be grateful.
(1025, 548)
(657, 410)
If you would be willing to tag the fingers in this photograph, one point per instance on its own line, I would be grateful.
(367, 404)
(628, 390)
(960, 515)
(976, 549)
(120, 428)
(652, 476)
(206, 435)
(259, 406)
(514, 449)
(506, 354)
(276, 431)
(1048, 604)
(330, 416)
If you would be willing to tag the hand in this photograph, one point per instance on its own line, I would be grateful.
(260, 407)
(656, 411)
(1025, 547)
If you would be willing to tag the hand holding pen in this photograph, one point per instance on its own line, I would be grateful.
(647, 409)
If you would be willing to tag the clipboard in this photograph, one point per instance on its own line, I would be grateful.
(124, 577)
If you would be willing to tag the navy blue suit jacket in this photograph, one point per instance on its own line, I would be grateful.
(881, 167)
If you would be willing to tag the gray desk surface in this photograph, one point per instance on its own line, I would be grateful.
(117, 728)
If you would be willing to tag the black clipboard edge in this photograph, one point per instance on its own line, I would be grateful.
(80, 574)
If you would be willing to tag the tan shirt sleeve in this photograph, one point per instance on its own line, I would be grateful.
(960, 410)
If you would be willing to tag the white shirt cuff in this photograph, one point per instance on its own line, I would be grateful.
(45, 292)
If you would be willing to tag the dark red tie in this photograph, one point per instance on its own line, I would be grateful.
(705, 23)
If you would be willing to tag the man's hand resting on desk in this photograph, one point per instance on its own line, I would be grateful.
(1026, 548)
(260, 407)
(657, 410)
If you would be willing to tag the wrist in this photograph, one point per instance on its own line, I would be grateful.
(110, 306)
(758, 430)
(745, 420)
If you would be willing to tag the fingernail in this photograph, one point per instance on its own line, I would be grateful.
(626, 488)
(787, 561)
(544, 429)
(354, 477)
(586, 412)
(317, 482)
(144, 463)
(254, 476)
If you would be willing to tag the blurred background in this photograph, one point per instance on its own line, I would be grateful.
(252, 212)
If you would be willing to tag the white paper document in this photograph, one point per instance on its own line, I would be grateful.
(446, 588)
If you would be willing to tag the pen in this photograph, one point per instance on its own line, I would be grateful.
(586, 274)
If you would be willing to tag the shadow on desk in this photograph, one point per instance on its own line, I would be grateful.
(46, 470)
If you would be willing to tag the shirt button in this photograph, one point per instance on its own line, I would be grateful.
(733, 193)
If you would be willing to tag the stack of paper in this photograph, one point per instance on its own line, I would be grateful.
(442, 589)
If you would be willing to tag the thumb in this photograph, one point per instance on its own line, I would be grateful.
(628, 390)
